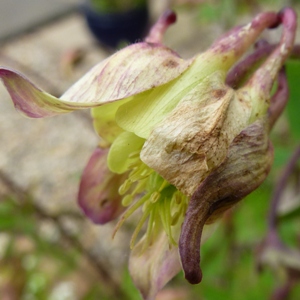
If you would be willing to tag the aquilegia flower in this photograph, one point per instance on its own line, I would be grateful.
(177, 142)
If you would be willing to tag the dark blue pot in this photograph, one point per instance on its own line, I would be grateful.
(113, 28)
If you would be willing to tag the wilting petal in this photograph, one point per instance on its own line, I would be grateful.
(130, 71)
(31, 100)
(153, 268)
(148, 109)
(195, 137)
(98, 193)
(247, 165)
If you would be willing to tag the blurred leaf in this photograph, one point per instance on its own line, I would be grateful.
(251, 217)
(208, 13)
(293, 107)
(281, 155)
(129, 288)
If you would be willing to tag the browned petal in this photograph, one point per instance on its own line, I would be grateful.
(248, 162)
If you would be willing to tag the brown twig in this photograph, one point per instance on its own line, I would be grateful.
(22, 195)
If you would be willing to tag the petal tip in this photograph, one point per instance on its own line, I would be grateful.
(98, 196)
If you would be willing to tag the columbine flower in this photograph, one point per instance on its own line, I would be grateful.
(176, 141)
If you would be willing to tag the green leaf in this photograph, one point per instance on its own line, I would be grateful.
(293, 107)
(129, 288)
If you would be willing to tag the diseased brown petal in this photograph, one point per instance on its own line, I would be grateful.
(98, 194)
(194, 138)
(248, 162)
(182, 148)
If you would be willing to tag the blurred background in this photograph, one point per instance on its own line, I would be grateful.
(48, 249)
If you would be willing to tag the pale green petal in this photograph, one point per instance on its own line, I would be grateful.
(142, 113)
(118, 158)
(104, 120)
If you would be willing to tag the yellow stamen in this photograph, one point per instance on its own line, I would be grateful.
(160, 203)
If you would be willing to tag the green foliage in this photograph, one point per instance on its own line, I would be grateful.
(112, 6)
(129, 288)
(293, 108)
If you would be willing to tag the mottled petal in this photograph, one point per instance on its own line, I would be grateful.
(249, 160)
(98, 194)
(130, 71)
(31, 100)
(152, 268)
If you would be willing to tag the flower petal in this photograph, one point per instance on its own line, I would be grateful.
(130, 71)
(141, 114)
(98, 194)
(119, 155)
(154, 267)
(194, 138)
(248, 162)
(31, 100)
(104, 121)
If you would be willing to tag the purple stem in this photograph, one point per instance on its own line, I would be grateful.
(279, 99)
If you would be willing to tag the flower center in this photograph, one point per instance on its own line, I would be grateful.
(162, 205)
